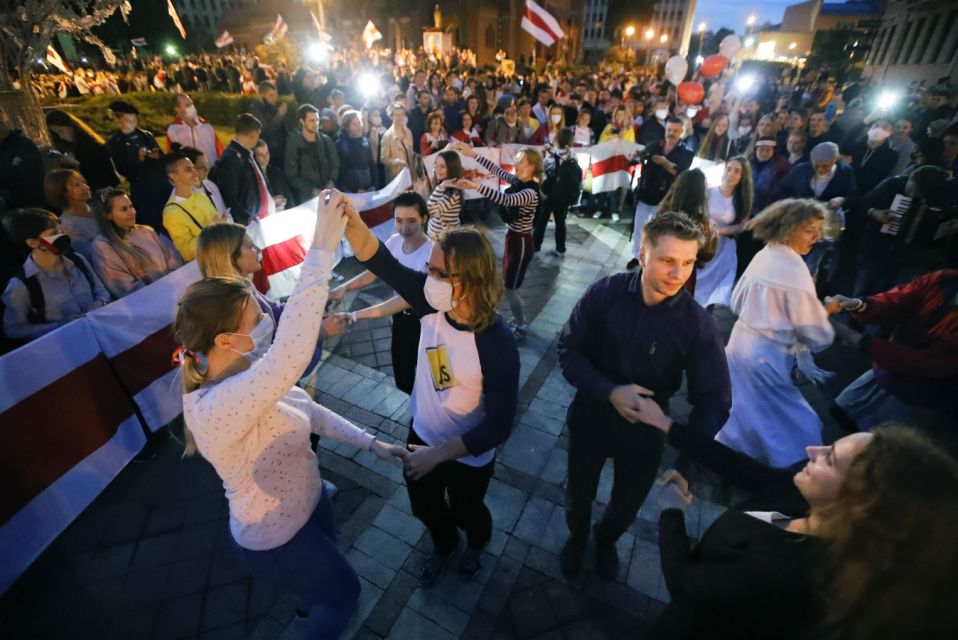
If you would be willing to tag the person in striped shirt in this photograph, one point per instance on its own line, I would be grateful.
(445, 202)
(519, 201)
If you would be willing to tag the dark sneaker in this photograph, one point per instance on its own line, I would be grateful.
(471, 563)
(573, 552)
(606, 560)
(434, 566)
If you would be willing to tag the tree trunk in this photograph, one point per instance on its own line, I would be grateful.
(24, 111)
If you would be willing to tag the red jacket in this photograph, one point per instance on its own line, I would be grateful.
(919, 364)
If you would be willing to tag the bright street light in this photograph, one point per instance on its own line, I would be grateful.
(749, 42)
(650, 34)
(369, 85)
(170, 50)
(792, 46)
(317, 52)
(751, 20)
(702, 28)
(664, 38)
(629, 31)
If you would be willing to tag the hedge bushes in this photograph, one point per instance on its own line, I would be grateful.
(156, 109)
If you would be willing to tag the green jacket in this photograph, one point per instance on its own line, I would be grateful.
(310, 165)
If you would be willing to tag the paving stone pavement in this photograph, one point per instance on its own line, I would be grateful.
(152, 557)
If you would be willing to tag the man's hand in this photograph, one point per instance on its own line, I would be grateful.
(675, 493)
(836, 203)
(846, 335)
(141, 153)
(880, 215)
(838, 303)
(282, 109)
(625, 399)
(420, 460)
(651, 413)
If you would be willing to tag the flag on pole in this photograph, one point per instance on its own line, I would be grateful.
(224, 40)
(541, 24)
(279, 29)
(138, 42)
(170, 9)
(53, 57)
(371, 34)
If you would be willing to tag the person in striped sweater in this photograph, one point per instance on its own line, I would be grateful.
(445, 202)
(519, 202)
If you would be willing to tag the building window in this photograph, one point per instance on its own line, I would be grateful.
(896, 57)
(921, 42)
(876, 46)
(888, 42)
(943, 36)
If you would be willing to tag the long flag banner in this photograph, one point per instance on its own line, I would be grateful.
(541, 24)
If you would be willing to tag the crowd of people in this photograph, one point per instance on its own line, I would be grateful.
(829, 218)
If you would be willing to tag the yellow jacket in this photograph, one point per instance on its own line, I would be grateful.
(628, 134)
(184, 218)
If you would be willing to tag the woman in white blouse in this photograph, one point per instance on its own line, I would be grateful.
(127, 256)
(729, 205)
(252, 424)
(780, 323)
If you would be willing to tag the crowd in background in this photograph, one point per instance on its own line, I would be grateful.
(821, 190)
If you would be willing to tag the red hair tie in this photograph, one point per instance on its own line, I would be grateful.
(181, 355)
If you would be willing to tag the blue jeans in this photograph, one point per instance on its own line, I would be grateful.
(311, 567)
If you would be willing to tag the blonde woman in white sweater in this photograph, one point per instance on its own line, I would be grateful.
(252, 424)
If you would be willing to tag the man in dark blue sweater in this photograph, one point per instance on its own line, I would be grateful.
(633, 335)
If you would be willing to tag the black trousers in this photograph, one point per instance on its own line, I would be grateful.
(541, 221)
(405, 349)
(466, 488)
(636, 450)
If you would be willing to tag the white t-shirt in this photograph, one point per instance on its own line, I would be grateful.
(416, 260)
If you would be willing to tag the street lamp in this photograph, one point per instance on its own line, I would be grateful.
(650, 34)
(751, 20)
(629, 31)
(664, 38)
(702, 27)
(170, 50)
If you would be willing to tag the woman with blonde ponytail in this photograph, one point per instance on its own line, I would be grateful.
(251, 422)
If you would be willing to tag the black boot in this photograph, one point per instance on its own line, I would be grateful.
(606, 558)
(573, 552)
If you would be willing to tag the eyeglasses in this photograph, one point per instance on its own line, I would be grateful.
(438, 273)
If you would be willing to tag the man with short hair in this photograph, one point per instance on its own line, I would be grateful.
(505, 129)
(452, 108)
(540, 111)
(633, 335)
(311, 158)
(902, 144)
(272, 113)
(818, 130)
(418, 86)
(661, 161)
(416, 121)
(653, 129)
(796, 123)
(239, 178)
(190, 130)
(795, 149)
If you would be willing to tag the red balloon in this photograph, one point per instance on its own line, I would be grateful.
(713, 65)
(691, 92)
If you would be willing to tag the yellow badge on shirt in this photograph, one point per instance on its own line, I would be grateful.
(442, 377)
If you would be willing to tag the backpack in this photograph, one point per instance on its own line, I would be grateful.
(563, 183)
(38, 306)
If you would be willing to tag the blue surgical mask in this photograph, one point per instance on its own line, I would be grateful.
(262, 337)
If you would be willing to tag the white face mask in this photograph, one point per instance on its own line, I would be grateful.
(555, 118)
(691, 111)
(661, 114)
(262, 337)
(744, 130)
(877, 134)
(190, 112)
(439, 294)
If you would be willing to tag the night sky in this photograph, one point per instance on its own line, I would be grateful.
(733, 13)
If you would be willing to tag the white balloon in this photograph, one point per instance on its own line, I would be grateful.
(675, 69)
(730, 45)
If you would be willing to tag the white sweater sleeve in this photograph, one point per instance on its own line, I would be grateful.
(324, 422)
(236, 404)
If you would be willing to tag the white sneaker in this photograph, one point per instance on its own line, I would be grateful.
(555, 253)
(520, 331)
(615, 217)
(596, 215)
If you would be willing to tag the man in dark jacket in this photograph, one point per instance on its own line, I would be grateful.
(661, 161)
(137, 157)
(21, 170)
(768, 170)
(633, 335)
(872, 157)
(312, 162)
(272, 113)
(240, 181)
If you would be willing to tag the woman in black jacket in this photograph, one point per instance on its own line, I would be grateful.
(73, 137)
(357, 170)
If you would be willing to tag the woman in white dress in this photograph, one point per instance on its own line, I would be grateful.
(780, 323)
(729, 205)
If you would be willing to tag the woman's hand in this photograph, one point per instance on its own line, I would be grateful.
(464, 149)
(336, 294)
(333, 325)
(464, 184)
(675, 493)
(388, 452)
(353, 219)
(330, 220)
(448, 184)
(420, 460)
(837, 303)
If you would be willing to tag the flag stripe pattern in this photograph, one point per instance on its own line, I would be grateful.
(176, 18)
(541, 24)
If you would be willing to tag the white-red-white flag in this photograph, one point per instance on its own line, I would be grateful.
(53, 57)
(279, 29)
(371, 34)
(223, 40)
(541, 24)
(170, 9)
